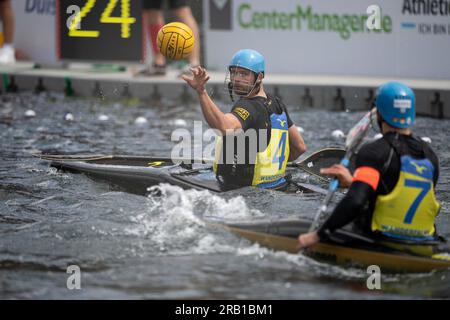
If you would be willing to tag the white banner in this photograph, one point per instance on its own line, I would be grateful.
(35, 30)
(331, 37)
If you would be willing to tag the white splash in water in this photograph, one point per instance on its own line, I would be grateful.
(174, 219)
(426, 139)
(30, 113)
(377, 136)
(69, 117)
(338, 134)
(178, 122)
(140, 121)
(103, 117)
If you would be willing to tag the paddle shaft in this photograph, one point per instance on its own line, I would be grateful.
(334, 185)
(354, 138)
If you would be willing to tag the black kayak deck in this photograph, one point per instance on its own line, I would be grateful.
(137, 173)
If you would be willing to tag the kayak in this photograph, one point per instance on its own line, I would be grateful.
(135, 174)
(346, 247)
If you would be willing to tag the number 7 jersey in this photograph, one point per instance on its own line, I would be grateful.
(409, 210)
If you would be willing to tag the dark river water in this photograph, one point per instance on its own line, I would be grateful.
(136, 247)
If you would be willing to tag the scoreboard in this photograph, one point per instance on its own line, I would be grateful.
(100, 30)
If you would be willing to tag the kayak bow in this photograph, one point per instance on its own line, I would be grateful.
(345, 247)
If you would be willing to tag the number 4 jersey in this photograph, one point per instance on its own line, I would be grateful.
(260, 161)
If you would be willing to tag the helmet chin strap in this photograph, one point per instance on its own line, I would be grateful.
(256, 86)
(230, 91)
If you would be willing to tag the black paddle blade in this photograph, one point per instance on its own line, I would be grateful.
(322, 159)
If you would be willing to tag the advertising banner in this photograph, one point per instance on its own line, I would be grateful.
(322, 37)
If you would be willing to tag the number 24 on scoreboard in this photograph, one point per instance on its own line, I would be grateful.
(74, 21)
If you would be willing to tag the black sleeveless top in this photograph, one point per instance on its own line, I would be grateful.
(253, 113)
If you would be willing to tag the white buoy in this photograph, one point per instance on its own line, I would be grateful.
(338, 134)
(426, 139)
(140, 120)
(378, 136)
(30, 113)
(69, 117)
(300, 129)
(103, 117)
(180, 122)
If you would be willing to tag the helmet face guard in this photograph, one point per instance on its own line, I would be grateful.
(236, 84)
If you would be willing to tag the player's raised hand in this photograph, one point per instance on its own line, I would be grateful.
(198, 79)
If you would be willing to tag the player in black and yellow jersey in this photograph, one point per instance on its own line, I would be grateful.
(245, 161)
(392, 192)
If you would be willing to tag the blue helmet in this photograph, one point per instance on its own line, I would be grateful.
(396, 103)
(248, 59)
